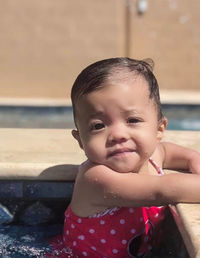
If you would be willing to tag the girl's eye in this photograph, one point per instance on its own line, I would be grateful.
(133, 120)
(98, 126)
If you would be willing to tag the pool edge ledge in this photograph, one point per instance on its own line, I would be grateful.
(38, 172)
(183, 97)
(187, 217)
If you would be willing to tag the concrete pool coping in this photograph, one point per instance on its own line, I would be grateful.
(186, 97)
(52, 155)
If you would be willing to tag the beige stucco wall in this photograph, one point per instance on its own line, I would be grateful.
(45, 44)
(169, 33)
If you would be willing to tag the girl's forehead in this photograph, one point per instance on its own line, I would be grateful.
(126, 97)
(123, 75)
(135, 85)
(122, 95)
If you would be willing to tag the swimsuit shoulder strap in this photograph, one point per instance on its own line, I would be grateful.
(158, 169)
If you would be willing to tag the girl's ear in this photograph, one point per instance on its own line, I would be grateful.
(75, 134)
(161, 128)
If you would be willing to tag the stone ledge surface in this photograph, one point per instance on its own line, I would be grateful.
(52, 154)
(187, 218)
(39, 154)
(186, 97)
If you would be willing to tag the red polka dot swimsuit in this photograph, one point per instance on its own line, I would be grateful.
(116, 232)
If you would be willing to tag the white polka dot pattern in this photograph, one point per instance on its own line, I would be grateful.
(103, 241)
(81, 237)
(124, 241)
(102, 222)
(116, 239)
(122, 221)
(112, 232)
(115, 251)
(133, 231)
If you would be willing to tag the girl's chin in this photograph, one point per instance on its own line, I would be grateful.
(125, 169)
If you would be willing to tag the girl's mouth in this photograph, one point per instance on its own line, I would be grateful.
(120, 152)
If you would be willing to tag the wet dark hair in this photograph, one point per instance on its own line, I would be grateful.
(95, 75)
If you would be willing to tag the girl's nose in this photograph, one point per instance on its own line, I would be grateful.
(117, 134)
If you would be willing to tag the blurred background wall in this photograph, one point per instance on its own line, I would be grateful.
(44, 44)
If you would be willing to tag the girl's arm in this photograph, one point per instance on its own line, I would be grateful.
(178, 157)
(110, 188)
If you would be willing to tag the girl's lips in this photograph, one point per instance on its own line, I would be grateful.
(120, 152)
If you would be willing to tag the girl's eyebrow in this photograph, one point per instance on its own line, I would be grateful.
(132, 111)
(96, 114)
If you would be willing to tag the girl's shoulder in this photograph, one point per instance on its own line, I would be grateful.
(88, 197)
(91, 172)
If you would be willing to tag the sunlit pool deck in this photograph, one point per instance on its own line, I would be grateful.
(51, 155)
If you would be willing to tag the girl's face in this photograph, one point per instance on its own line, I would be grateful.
(118, 125)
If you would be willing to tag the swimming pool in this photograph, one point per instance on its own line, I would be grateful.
(180, 117)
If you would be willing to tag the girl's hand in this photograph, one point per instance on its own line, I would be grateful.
(194, 163)
(180, 158)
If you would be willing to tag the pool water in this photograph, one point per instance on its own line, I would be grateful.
(180, 117)
(17, 241)
(34, 222)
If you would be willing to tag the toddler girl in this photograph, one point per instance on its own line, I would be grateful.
(120, 191)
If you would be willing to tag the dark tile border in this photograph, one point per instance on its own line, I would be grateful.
(35, 190)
